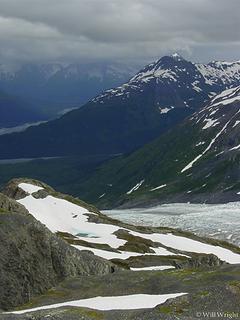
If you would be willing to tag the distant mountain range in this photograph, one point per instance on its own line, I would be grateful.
(197, 161)
(123, 119)
(51, 88)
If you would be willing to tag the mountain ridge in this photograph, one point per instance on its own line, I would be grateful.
(122, 119)
(216, 74)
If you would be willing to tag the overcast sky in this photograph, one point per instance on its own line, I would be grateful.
(118, 30)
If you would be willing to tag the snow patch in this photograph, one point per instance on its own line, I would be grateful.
(159, 187)
(136, 187)
(127, 302)
(200, 143)
(236, 123)
(64, 216)
(155, 268)
(235, 148)
(210, 123)
(189, 245)
(29, 188)
(165, 110)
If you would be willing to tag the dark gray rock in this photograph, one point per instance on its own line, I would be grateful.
(13, 191)
(10, 205)
(33, 259)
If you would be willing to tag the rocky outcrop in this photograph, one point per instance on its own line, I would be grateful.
(33, 259)
(199, 261)
(10, 205)
(13, 191)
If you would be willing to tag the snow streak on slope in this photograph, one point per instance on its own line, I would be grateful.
(159, 187)
(205, 151)
(123, 255)
(158, 268)
(184, 244)
(226, 97)
(136, 187)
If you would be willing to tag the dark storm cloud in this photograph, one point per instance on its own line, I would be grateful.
(118, 29)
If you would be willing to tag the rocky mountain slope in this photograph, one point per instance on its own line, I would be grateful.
(167, 273)
(123, 119)
(33, 259)
(177, 82)
(197, 161)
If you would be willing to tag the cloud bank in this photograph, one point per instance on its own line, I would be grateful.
(126, 30)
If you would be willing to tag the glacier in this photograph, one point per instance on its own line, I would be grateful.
(220, 221)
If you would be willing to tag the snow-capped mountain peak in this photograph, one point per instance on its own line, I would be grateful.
(177, 74)
(166, 67)
(170, 69)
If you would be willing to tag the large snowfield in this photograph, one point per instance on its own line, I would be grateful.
(64, 216)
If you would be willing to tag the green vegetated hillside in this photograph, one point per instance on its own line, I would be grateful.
(199, 160)
(210, 136)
